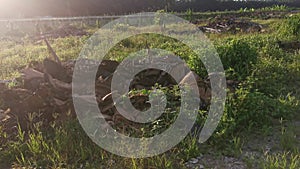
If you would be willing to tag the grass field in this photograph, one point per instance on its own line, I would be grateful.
(261, 122)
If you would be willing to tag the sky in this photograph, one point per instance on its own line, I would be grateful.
(16, 7)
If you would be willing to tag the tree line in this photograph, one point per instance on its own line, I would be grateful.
(59, 8)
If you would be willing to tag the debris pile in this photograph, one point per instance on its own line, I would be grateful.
(64, 31)
(46, 91)
(289, 46)
(231, 25)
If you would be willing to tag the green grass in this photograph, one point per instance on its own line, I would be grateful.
(68, 146)
(268, 91)
(281, 161)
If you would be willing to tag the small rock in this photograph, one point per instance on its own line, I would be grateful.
(194, 161)
(200, 157)
(297, 123)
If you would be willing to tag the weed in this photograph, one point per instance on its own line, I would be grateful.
(291, 27)
(288, 140)
(281, 161)
(238, 56)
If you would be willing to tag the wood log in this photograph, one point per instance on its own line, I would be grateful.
(57, 84)
(29, 74)
(32, 78)
(52, 52)
(203, 87)
(212, 30)
(57, 71)
(4, 115)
